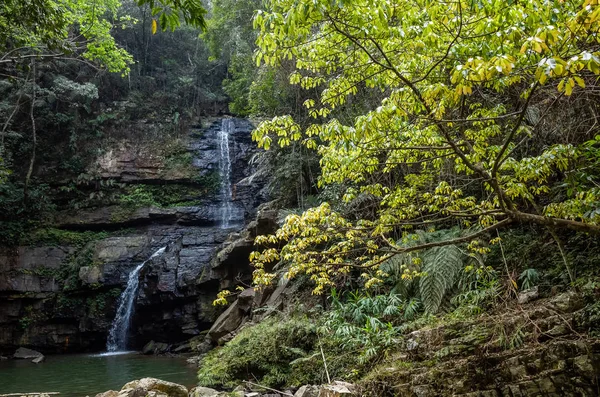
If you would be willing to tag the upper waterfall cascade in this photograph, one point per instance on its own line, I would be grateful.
(227, 127)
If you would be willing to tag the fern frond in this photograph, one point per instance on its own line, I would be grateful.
(441, 266)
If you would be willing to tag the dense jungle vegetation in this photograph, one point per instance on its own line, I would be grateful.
(431, 159)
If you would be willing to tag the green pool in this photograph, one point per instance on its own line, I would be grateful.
(85, 375)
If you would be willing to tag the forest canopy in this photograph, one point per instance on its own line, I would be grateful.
(487, 119)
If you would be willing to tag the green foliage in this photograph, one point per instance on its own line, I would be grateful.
(479, 290)
(49, 27)
(590, 319)
(137, 197)
(454, 135)
(264, 353)
(529, 278)
(53, 236)
(237, 87)
(170, 12)
(17, 215)
(439, 267)
(365, 324)
(230, 38)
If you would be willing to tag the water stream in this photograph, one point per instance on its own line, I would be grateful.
(117, 337)
(227, 127)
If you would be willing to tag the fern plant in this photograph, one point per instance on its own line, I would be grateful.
(439, 268)
(364, 323)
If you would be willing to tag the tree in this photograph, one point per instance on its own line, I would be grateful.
(466, 133)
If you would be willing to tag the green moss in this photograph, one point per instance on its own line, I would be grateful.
(276, 352)
(53, 236)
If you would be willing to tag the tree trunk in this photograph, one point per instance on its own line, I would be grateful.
(34, 136)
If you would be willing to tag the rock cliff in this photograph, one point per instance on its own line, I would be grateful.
(60, 295)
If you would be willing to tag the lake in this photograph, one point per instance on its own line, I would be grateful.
(87, 374)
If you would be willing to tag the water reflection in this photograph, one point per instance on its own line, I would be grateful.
(81, 375)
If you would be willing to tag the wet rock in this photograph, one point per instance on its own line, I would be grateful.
(38, 360)
(246, 299)
(307, 391)
(110, 393)
(200, 391)
(24, 353)
(411, 345)
(337, 389)
(528, 295)
(148, 385)
(584, 364)
(194, 360)
(90, 275)
(153, 347)
(176, 291)
(183, 348)
(568, 302)
(227, 322)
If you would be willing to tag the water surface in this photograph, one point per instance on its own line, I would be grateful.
(86, 375)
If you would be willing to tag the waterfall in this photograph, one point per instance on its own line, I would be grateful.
(117, 338)
(227, 127)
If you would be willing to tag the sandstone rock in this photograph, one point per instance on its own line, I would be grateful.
(568, 302)
(337, 389)
(153, 347)
(200, 391)
(183, 348)
(584, 364)
(201, 344)
(411, 345)
(194, 360)
(110, 393)
(227, 322)
(90, 275)
(528, 295)
(246, 299)
(307, 391)
(147, 385)
(38, 360)
(24, 353)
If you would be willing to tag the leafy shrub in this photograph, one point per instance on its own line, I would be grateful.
(271, 353)
(52, 236)
(366, 324)
(137, 197)
(439, 269)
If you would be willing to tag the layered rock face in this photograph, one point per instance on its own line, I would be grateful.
(62, 297)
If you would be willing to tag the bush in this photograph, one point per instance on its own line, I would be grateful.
(271, 353)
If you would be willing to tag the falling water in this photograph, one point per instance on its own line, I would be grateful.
(227, 127)
(117, 338)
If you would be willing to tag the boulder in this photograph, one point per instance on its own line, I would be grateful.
(25, 353)
(110, 393)
(153, 347)
(337, 389)
(38, 360)
(90, 275)
(568, 302)
(246, 299)
(154, 387)
(203, 392)
(227, 322)
(307, 391)
(528, 295)
(183, 348)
